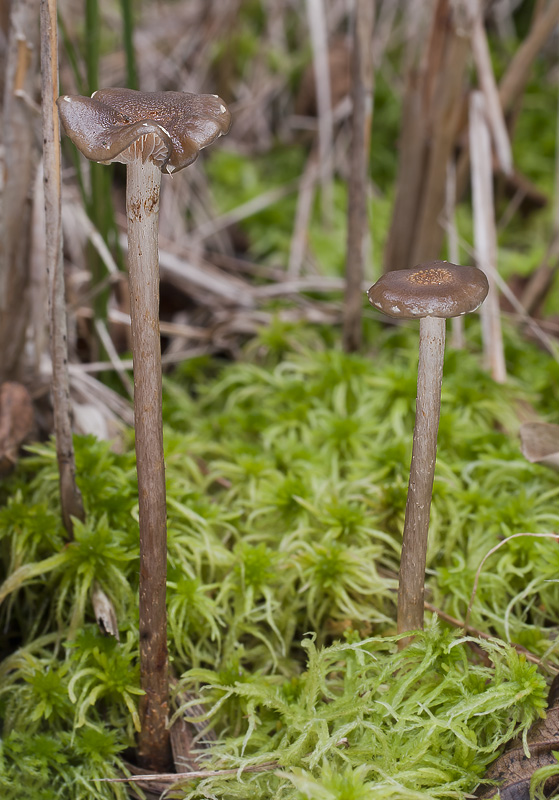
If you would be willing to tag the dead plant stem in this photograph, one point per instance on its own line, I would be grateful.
(357, 229)
(70, 497)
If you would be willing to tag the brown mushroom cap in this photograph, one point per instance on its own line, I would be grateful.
(434, 289)
(168, 128)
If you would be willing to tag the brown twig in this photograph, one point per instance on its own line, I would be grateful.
(488, 84)
(18, 161)
(486, 235)
(319, 42)
(172, 777)
(456, 623)
(362, 97)
(70, 497)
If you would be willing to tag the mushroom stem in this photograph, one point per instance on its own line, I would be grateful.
(422, 473)
(142, 207)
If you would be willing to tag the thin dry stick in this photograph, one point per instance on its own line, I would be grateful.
(413, 137)
(90, 390)
(490, 553)
(443, 89)
(114, 357)
(302, 217)
(556, 177)
(362, 96)
(319, 42)
(18, 162)
(485, 235)
(202, 275)
(383, 30)
(488, 84)
(416, 23)
(456, 623)
(514, 80)
(167, 358)
(175, 329)
(70, 497)
(431, 117)
(507, 292)
(453, 248)
(173, 777)
(37, 287)
(411, 162)
(244, 211)
(518, 71)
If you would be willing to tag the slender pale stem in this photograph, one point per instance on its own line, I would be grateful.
(142, 207)
(422, 472)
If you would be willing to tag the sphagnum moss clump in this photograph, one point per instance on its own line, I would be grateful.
(278, 526)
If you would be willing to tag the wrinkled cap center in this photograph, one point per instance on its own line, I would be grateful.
(429, 277)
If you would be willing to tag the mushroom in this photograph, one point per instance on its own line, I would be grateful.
(432, 292)
(150, 132)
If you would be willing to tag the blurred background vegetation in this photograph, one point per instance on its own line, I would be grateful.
(258, 225)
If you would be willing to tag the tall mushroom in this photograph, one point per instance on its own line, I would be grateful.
(432, 292)
(150, 132)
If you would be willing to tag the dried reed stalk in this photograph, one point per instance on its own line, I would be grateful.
(431, 118)
(485, 234)
(357, 228)
(302, 217)
(514, 80)
(397, 253)
(70, 497)
(17, 167)
(319, 42)
(488, 84)
(443, 96)
(457, 323)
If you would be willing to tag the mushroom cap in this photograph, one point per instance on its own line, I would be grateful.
(168, 128)
(434, 289)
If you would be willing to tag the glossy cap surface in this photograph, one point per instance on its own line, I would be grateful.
(168, 128)
(434, 289)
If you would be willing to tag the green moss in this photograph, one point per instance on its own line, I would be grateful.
(287, 477)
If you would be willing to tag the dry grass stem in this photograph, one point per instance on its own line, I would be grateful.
(114, 358)
(514, 80)
(171, 777)
(70, 496)
(303, 213)
(456, 623)
(18, 161)
(442, 91)
(485, 234)
(246, 210)
(357, 222)
(488, 84)
(457, 323)
(318, 33)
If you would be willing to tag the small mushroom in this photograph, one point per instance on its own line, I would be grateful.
(432, 292)
(151, 132)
